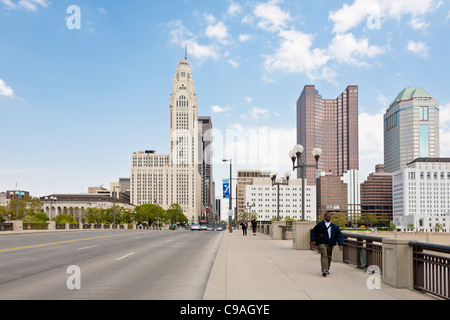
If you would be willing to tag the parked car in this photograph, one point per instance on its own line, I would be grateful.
(195, 227)
(203, 227)
(219, 229)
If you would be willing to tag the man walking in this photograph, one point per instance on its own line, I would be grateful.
(326, 234)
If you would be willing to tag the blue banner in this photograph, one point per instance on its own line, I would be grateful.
(226, 188)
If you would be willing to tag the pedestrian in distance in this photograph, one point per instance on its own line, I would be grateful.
(254, 225)
(326, 234)
(244, 225)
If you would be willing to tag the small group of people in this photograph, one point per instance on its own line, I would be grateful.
(244, 225)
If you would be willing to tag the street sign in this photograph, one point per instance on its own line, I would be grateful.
(226, 188)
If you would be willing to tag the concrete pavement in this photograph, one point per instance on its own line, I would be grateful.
(259, 268)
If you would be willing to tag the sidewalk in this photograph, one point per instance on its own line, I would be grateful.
(259, 268)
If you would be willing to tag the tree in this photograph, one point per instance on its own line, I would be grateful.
(368, 218)
(149, 213)
(25, 206)
(175, 214)
(64, 218)
(340, 219)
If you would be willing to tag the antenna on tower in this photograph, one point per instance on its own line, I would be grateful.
(185, 51)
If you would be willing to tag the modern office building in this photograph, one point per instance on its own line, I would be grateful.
(411, 129)
(175, 177)
(376, 196)
(208, 185)
(421, 195)
(244, 178)
(263, 195)
(329, 124)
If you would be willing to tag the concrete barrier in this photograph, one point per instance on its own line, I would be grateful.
(301, 235)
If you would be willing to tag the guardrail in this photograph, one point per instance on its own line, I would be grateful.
(363, 251)
(431, 271)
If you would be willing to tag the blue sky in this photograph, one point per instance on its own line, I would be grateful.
(76, 103)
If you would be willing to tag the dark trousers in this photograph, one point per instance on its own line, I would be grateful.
(244, 230)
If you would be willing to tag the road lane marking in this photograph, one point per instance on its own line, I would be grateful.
(60, 242)
(88, 247)
(169, 241)
(130, 254)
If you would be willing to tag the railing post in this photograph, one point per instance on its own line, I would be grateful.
(17, 225)
(277, 231)
(398, 263)
(301, 235)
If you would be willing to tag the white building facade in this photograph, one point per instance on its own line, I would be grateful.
(421, 195)
(175, 177)
(263, 195)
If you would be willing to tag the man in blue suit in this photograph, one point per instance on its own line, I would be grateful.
(326, 234)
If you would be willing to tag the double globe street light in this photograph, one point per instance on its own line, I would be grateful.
(295, 155)
(273, 176)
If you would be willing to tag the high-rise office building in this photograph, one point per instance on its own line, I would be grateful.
(329, 124)
(411, 129)
(174, 177)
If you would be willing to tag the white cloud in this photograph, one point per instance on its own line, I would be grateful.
(256, 113)
(218, 109)
(6, 90)
(349, 16)
(233, 63)
(296, 54)
(346, 48)
(183, 37)
(419, 48)
(218, 32)
(244, 37)
(31, 5)
(271, 16)
(371, 141)
(234, 9)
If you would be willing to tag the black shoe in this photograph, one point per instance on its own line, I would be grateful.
(324, 273)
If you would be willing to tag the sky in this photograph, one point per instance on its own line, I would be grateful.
(84, 84)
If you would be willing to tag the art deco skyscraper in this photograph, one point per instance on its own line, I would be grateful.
(329, 124)
(173, 178)
(411, 129)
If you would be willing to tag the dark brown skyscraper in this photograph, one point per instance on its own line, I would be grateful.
(329, 124)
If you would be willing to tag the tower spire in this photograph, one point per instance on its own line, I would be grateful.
(185, 51)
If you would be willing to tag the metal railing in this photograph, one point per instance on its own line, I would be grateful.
(431, 271)
(287, 232)
(4, 226)
(363, 251)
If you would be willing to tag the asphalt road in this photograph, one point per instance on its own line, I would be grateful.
(107, 265)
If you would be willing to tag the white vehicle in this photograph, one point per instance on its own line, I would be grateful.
(203, 227)
(195, 227)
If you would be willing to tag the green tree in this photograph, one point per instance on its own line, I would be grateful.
(64, 218)
(340, 219)
(149, 213)
(368, 218)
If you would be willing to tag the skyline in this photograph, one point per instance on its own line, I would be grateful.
(76, 103)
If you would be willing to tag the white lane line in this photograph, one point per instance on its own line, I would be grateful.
(138, 237)
(169, 240)
(88, 247)
(130, 254)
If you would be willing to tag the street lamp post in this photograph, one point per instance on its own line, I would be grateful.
(230, 203)
(295, 155)
(249, 206)
(273, 176)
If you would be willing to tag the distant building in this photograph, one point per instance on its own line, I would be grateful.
(244, 178)
(175, 177)
(421, 195)
(376, 196)
(77, 204)
(264, 196)
(332, 125)
(411, 129)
